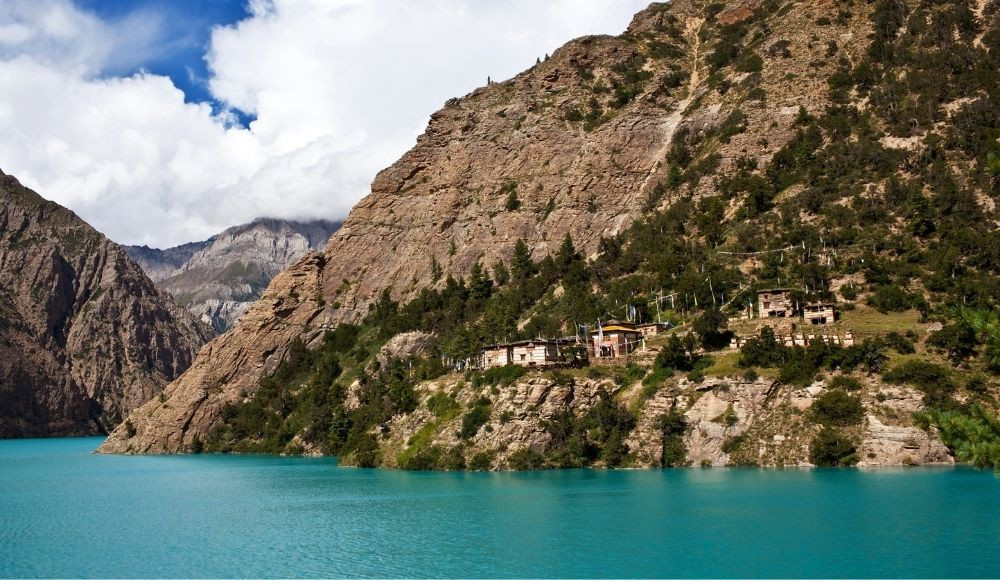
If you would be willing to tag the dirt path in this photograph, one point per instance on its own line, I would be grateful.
(691, 30)
(979, 9)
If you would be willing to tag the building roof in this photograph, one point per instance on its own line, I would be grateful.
(616, 328)
(763, 290)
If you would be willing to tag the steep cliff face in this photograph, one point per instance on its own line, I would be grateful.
(218, 279)
(85, 336)
(735, 104)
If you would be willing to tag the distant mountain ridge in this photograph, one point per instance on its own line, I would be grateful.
(217, 279)
(85, 335)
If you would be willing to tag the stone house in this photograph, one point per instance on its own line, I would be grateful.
(819, 313)
(526, 353)
(775, 303)
(652, 328)
(616, 339)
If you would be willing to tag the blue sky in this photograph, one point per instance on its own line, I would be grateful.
(163, 122)
(185, 36)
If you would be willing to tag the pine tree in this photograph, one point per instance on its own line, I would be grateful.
(521, 265)
(500, 273)
(567, 253)
(436, 270)
(480, 285)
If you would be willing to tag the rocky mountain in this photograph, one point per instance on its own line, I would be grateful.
(159, 264)
(846, 149)
(219, 278)
(85, 336)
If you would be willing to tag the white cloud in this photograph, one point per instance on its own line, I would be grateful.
(339, 91)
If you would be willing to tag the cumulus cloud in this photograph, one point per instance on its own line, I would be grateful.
(337, 90)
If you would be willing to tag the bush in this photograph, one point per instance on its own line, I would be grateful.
(502, 376)
(731, 445)
(836, 407)
(899, 343)
(845, 382)
(673, 425)
(442, 404)
(478, 416)
(711, 329)
(762, 350)
(933, 380)
(366, 451)
(727, 417)
(525, 460)
(957, 341)
(674, 356)
(481, 461)
(830, 448)
(891, 299)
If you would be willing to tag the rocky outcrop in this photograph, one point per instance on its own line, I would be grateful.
(518, 413)
(218, 279)
(577, 145)
(404, 345)
(771, 431)
(85, 336)
(227, 369)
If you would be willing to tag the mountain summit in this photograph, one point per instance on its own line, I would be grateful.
(219, 278)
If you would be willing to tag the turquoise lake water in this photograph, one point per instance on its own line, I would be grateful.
(67, 512)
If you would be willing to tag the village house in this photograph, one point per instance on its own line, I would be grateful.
(652, 328)
(616, 339)
(775, 303)
(819, 313)
(526, 353)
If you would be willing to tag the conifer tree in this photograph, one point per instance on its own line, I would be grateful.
(521, 265)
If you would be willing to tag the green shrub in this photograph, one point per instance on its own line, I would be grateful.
(933, 380)
(674, 356)
(891, 298)
(957, 341)
(478, 416)
(762, 350)
(899, 343)
(731, 445)
(424, 459)
(525, 460)
(481, 461)
(727, 417)
(502, 376)
(836, 407)
(845, 382)
(673, 426)
(442, 404)
(366, 451)
(830, 448)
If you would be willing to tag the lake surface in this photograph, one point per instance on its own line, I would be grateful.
(67, 512)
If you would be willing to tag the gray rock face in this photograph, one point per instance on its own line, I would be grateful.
(85, 335)
(218, 279)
